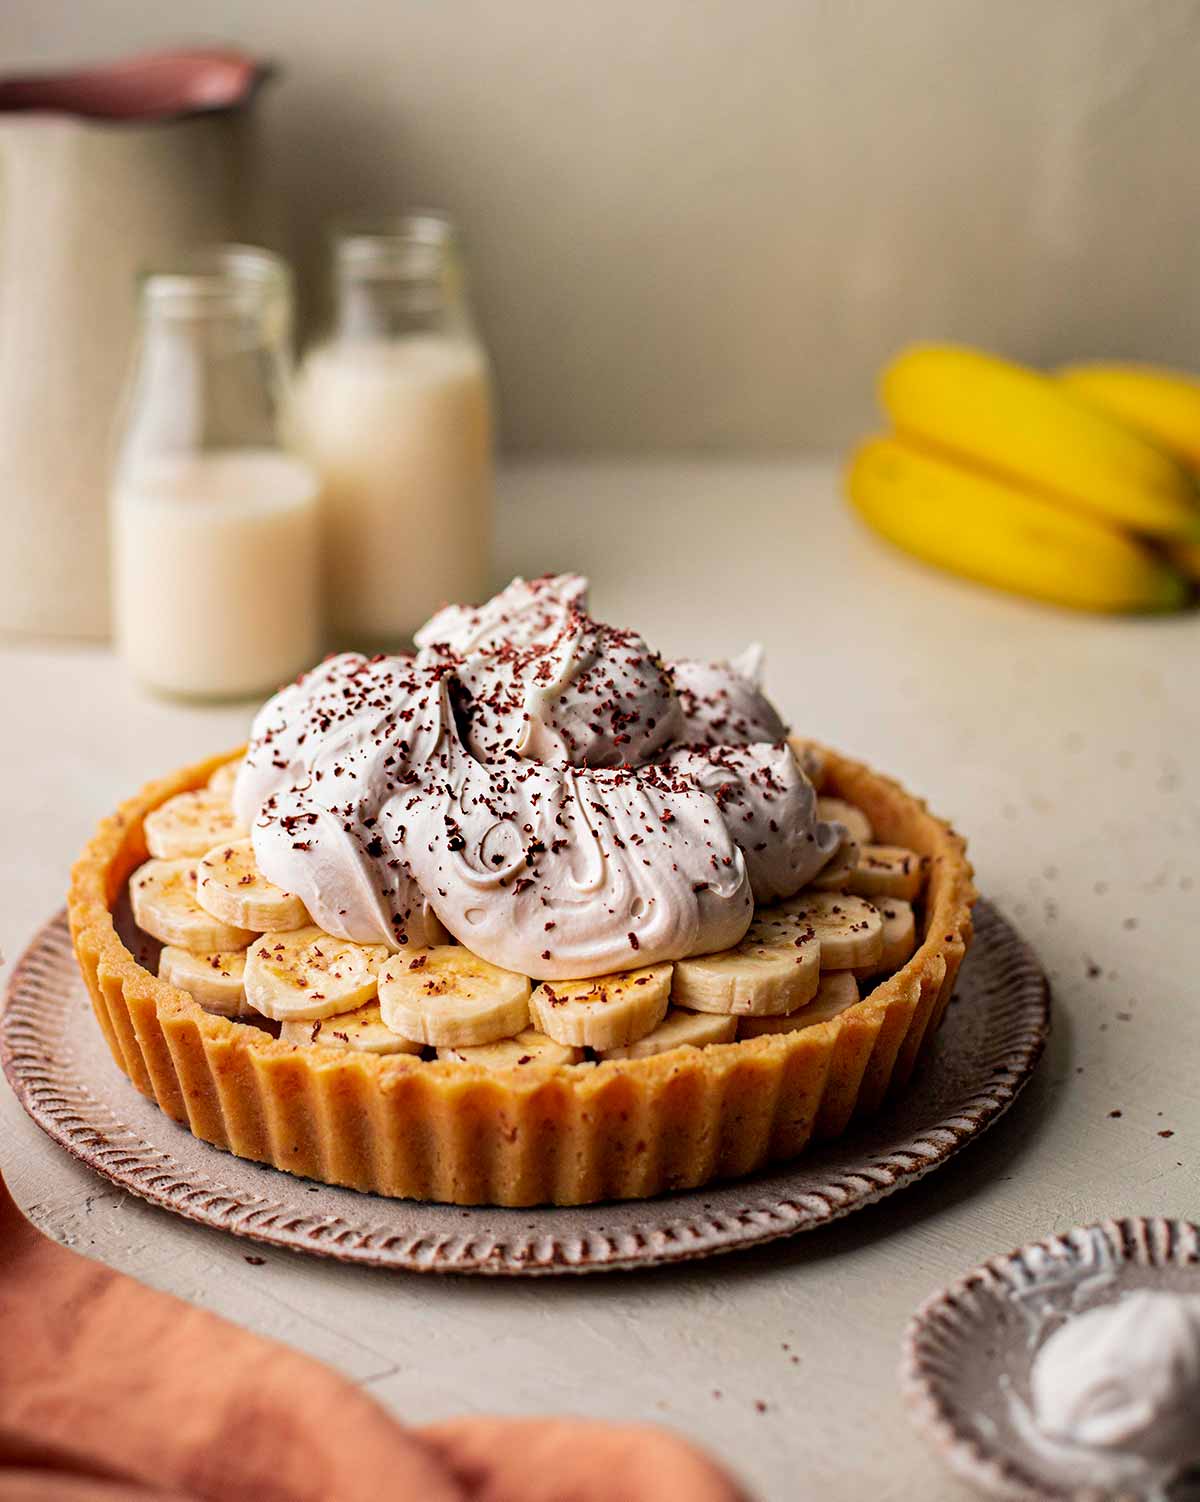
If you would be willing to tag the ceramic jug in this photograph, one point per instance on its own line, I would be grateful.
(104, 172)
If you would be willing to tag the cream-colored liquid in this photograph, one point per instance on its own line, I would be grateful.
(400, 432)
(216, 572)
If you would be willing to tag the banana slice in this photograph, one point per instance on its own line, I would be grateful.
(608, 1011)
(214, 980)
(836, 876)
(307, 974)
(528, 1047)
(222, 780)
(838, 991)
(899, 935)
(446, 996)
(363, 1029)
(679, 1029)
(230, 886)
(189, 824)
(887, 871)
(838, 811)
(849, 928)
(163, 897)
(775, 969)
(811, 759)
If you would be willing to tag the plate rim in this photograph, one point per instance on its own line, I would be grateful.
(147, 1171)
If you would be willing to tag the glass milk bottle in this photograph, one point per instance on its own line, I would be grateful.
(393, 408)
(215, 527)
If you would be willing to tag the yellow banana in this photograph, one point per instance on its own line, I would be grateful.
(1028, 428)
(1186, 556)
(1163, 405)
(988, 529)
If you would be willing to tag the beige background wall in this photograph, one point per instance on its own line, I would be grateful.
(703, 223)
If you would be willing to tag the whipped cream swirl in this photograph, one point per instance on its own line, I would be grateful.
(527, 781)
(764, 799)
(722, 703)
(530, 612)
(1116, 1393)
(592, 697)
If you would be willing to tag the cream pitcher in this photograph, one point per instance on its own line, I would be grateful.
(103, 171)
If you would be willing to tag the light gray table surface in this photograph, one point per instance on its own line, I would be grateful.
(1064, 747)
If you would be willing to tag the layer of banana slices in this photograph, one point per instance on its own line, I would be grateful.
(528, 1047)
(363, 1029)
(191, 823)
(849, 929)
(610, 1011)
(307, 975)
(222, 780)
(837, 874)
(215, 980)
(243, 947)
(445, 996)
(899, 936)
(230, 886)
(888, 871)
(775, 969)
(837, 992)
(162, 894)
(679, 1029)
(838, 811)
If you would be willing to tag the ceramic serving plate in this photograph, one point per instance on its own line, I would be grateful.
(60, 1068)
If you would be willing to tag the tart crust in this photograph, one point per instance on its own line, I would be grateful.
(566, 1135)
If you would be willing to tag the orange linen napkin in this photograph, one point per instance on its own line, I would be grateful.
(111, 1392)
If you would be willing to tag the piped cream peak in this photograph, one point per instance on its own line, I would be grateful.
(534, 781)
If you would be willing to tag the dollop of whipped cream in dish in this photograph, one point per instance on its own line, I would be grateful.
(1115, 1392)
(538, 783)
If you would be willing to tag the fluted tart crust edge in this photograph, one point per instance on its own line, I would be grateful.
(460, 1134)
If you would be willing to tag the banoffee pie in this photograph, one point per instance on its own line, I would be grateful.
(531, 916)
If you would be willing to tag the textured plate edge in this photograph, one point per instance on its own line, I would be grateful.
(1136, 1239)
(903, 1163)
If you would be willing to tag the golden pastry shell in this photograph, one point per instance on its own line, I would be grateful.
(568, 1135)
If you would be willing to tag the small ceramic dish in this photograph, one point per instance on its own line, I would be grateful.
(969, 1350)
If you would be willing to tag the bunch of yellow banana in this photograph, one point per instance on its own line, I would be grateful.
(1080, 488)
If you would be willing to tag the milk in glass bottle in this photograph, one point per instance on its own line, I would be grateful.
(393, 408)
(214, 524)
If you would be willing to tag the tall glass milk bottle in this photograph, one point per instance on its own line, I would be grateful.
(215, 526)
(393, 407)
